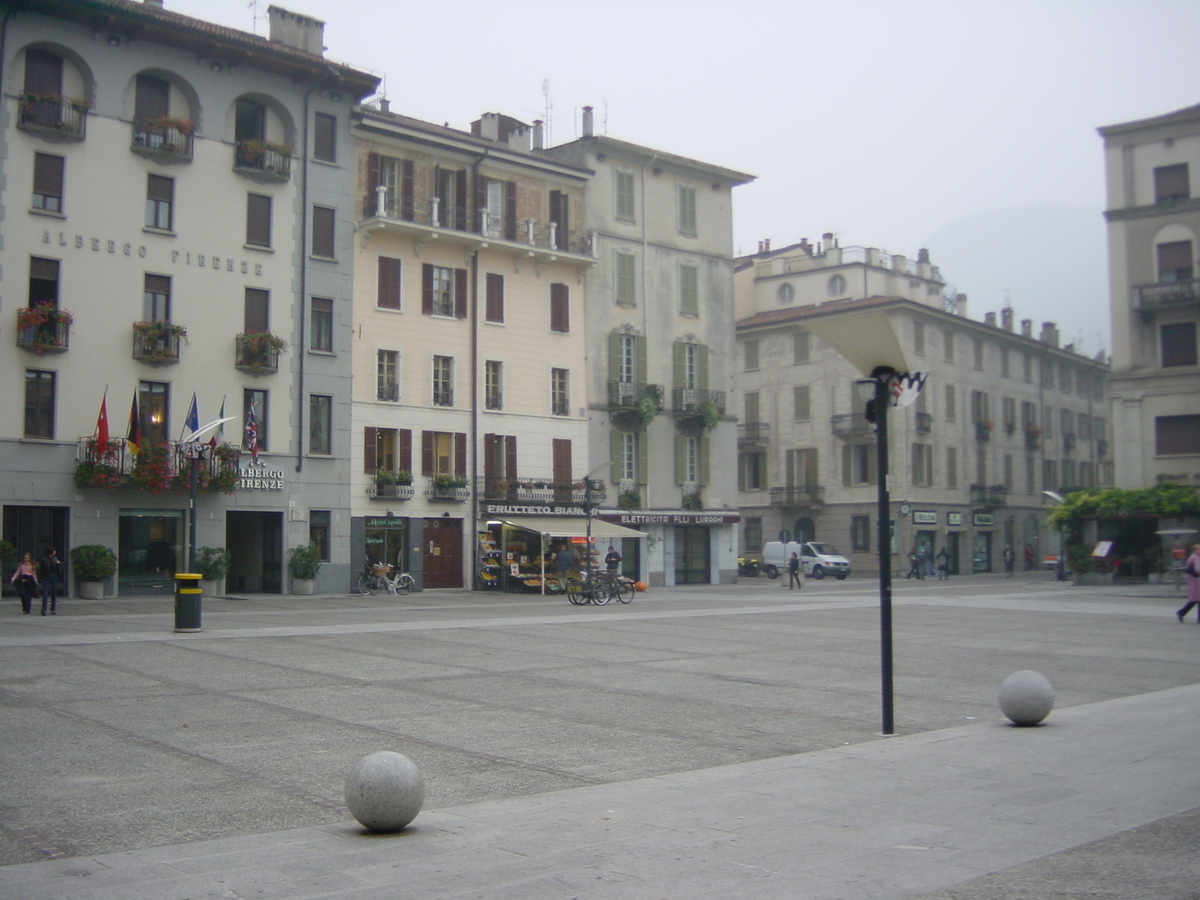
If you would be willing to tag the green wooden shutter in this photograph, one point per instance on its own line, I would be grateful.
(680, 458)
(641, 447)
(702, 366)
(702, 460)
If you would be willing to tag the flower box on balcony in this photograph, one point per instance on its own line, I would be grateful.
(263, 160)
(157, 343)
(43, 329)
(164, 138)
(53, 116)
(258, 352)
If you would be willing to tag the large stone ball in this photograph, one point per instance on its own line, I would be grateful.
(384, 791)
(1026, 697)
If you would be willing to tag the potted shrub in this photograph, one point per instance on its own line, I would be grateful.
(212, 564)
(93, 564)
(8, 558)
(304, 562)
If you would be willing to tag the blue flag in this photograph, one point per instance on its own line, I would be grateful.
(192, 422)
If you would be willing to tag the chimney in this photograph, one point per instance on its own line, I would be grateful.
(1049, 334)
(385, 105)
(960, 305)
(922, 255)
(1006, 318)
(587, 122)
(539, 135)
(297, 31)
(1070, 348)
(1027, 328)
(487, 126)
(989, 319)
(157, 3)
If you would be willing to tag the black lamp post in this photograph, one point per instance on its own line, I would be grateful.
(880, 383)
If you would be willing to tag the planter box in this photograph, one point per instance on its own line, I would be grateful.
(210, 587)
(91, 590)
(303, 586)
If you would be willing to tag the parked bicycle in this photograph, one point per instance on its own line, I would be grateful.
(378, 577)
(602, 588)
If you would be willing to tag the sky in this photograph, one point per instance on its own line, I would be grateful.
(964, 126)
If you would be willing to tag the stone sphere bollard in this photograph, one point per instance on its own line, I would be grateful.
(1026, 697)
(384, 791)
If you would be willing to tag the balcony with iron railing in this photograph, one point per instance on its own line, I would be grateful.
(801, 495)
(257, 352)
(1149, 297)
(448, 488)
(754, 433)
(388, 485)
(44, 329)
(263, 160)
(991, 496)
(691, 401)
(164, 140)
(430, 219)
(530, 489)
(164, 466)
(851, 426)
(53, 116)
(157, 343)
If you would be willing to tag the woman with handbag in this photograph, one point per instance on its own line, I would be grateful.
(25, 581)
(1192, 568)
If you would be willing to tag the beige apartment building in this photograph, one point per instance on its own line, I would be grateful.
(660, 350)
(1153, 220)
(1004, 414)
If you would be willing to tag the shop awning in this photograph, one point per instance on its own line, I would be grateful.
(571, 526)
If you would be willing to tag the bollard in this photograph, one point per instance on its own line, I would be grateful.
(187, 602)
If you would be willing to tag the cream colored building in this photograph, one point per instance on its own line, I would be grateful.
(1003, 416)
(176, 195)
(660, 348)
(470, 354)
(1153, 218)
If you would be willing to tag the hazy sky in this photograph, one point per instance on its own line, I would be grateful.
(886, 123)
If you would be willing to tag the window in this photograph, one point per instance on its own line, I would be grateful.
(493, 384)
(1068, 473)
(443, 453)
(980, 407)
(43, 72)
(450, 211)
(39, 404)
(560, 392)
(687, 209)
(1048, 421)
(625, 465)
(919, 338)
(1171, 183)
(750, 349)
(151, 99)
(387, 450)
(249, 121)
(689, 290)
(494, 297)
(952, 467)
(160, 201)
(560, 308)
(156, 298)
(1178, 342)
(256, 310)
(625, 358)
(1027, 368)
(752, 469)
(750, 407)
(318, 531)
(978, 347)
(321, 332)
(1028, 414)
(48, 182)
(323, 219)
(687, 459)
(443, 291)
(801, 347)
(625, 277)
(153, 423)
(258, 220)
(948, 345)
(387, 375)
(981, 469)
(1009, 406)
(320, 424)
(1004, 368)
(255, 415)
(752, 531)
(800, 468)
(1098, 428)
(1050, 475)
(1008, 472)
(1174, 261)
(690, 368)
(443, 381)
(836, 286)
(1030, 473)
(801, 408)
(858, 464)
(387, 288)
(1085, 426)
(626, 208)
(560, 232)
(1177, 435)
(1064, 378)
(951, 404)
(860, 533)
(43, 281)
(922, 465)
(325, 137)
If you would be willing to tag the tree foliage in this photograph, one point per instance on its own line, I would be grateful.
(1171, 501)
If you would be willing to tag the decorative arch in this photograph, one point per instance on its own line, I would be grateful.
(191, 98)
(87, 78)
(280, 126)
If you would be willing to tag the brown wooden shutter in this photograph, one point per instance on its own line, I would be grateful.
(560, 308)
(460, 212)
(48, 175)
(389, 283)
(258, 220)
(495, 297)
(427, 452)
(481, 184)
(489, 456)
(257, 306)
(43, 72)
(510, 456)
(510, 210)
(427, 289)
(460, 454)
(558, 215)
(404, 449)
(406, 190)
(370, 438)
(370, 201)
(460, 293)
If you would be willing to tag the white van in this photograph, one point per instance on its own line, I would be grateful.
(817, 558)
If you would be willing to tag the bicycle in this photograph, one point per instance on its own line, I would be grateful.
(375, 578)
(603, 588)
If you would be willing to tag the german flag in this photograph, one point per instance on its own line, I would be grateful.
(133, 440)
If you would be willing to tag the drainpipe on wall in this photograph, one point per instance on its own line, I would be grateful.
(300, 354)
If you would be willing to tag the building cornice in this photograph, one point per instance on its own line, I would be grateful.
(1171, 209)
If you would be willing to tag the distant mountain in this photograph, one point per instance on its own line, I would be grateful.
(1048, 261)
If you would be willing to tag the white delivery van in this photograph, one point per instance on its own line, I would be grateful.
(817, 558)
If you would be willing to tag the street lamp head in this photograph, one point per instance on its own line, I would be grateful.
(1053, 495)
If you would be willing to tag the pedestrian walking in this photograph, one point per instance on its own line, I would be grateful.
(1009, 559)
(1192, 569)
(943, 564)
(25, 581)
(1029, 557)
(914, 565)
(562, 564)
(50, 570)
(795, 573)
